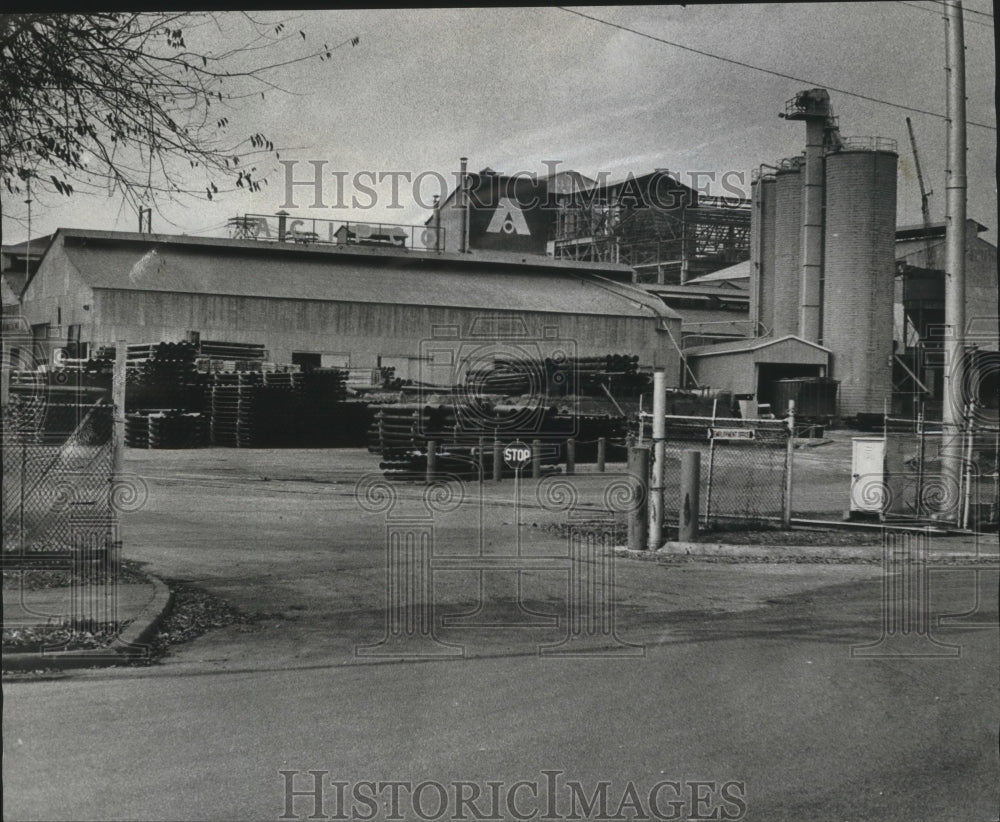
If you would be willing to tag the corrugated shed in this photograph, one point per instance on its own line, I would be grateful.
(235, 269)
(787, 349)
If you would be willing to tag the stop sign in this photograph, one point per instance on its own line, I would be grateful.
(517, 455)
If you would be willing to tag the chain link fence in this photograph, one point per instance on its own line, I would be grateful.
(915, 488)
(745, 466)
(58, 497)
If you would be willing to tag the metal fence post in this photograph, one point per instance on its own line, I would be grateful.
(638, 469)
(431, 461)
(497, 459)
(690, 486)
(786, 510)
(655, 535)
(602, 445)
(482, 461)
(536, 459)
(711, 467)
(118, 403)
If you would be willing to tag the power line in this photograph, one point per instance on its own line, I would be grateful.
(967, 11)
(764, 70)
(940, 14)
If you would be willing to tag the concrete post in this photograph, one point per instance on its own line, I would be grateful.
(602, 445)
(536, 459)
(655, 535)
(432, 448)
(786, 512)
(638, 469)
(497, 460)
(690, 484)
(570, 456)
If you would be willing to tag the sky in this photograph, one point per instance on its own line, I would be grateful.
(512, 88)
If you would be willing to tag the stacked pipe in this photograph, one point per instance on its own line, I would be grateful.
(559, 377)
(618, 372)
(323, 392)
(162, 375)
(231, 400)
(278, 410)
(400, 433)
(137, 430)
(175, 429)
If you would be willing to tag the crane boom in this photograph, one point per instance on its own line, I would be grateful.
(925, 195)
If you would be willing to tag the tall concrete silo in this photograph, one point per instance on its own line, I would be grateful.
(858, 271)
(762, 253)
(787, 246)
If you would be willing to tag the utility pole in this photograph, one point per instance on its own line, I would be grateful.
(954, 275)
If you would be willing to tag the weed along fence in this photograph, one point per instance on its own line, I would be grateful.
(745, 466)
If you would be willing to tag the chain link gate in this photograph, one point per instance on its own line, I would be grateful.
(746, 467)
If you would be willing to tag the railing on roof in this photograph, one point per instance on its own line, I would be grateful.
(276, 228)
(868, 144)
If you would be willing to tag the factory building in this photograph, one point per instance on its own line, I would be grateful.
(920, 319)
(665, 231)
(337, 305)
(822, 264)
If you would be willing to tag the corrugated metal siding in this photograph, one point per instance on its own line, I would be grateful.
(55, 289)
(314, 276)
(859, 257)
(787, 251)
(731, 372)
(365, 330)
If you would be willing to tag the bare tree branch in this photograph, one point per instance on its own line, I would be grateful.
(118, 102)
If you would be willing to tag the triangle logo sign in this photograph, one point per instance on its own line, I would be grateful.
(508, 219)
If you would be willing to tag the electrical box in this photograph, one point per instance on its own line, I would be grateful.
(876, 476)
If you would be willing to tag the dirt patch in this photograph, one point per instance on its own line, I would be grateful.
(616, 531)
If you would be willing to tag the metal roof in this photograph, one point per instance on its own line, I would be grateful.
(739, 271)
(743, 346)
(194, 265)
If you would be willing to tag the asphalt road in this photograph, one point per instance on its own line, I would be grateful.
(740, 677)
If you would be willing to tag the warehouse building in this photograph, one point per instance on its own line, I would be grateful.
(341, 305)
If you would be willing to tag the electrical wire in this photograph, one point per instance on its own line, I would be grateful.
(940, 15)
(730, 60)
(967, 11)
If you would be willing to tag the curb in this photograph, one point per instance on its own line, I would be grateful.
(129, 644)
(793, 553)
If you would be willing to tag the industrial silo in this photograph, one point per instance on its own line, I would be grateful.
(858, 271)
(787, 247)
(762, 254)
